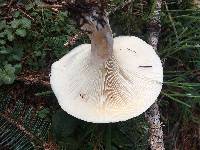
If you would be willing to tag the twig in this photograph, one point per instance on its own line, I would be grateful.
(50, 6)
(10, 3)
(24, 13)
(153, 114)
(3, 5)
(72, 40)
(7, 17)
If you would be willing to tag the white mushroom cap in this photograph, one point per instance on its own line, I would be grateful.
(123, 87)
(197, 3)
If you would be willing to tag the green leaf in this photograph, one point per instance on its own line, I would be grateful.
(17, 13)
(18, 68)
(9, 79)
(15, 23)
(7, 74)
(38, 53)
(46, 93)
(21, 32)
(9, 68)
(38, 2)
(43, 113)
(16, 57)
(26, 23)
(2, 24)
(29, 6)
(3, 50)
(2, 34)
(65, 14)
(2, 42)
(10, 35)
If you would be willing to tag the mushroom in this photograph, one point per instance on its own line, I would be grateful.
(109, 80)
(197, 3)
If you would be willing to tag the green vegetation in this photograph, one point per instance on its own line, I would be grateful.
(33, 37)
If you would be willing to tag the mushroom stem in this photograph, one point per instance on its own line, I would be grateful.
(101, 42)
(93, 19)
(96, 24)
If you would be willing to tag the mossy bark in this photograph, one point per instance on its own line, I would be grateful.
(152, 114)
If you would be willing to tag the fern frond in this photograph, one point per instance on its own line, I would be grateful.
(20, 127)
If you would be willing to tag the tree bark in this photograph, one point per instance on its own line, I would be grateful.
(152, 114)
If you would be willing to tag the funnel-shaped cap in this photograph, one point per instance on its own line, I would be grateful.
(121, 88)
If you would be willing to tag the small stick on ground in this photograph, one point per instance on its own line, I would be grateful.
(72, 40)
(153, 114)
(10, 3)
(24, 13)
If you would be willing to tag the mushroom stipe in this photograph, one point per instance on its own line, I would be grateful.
(115, 89)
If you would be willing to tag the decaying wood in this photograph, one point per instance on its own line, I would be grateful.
(153, 114)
